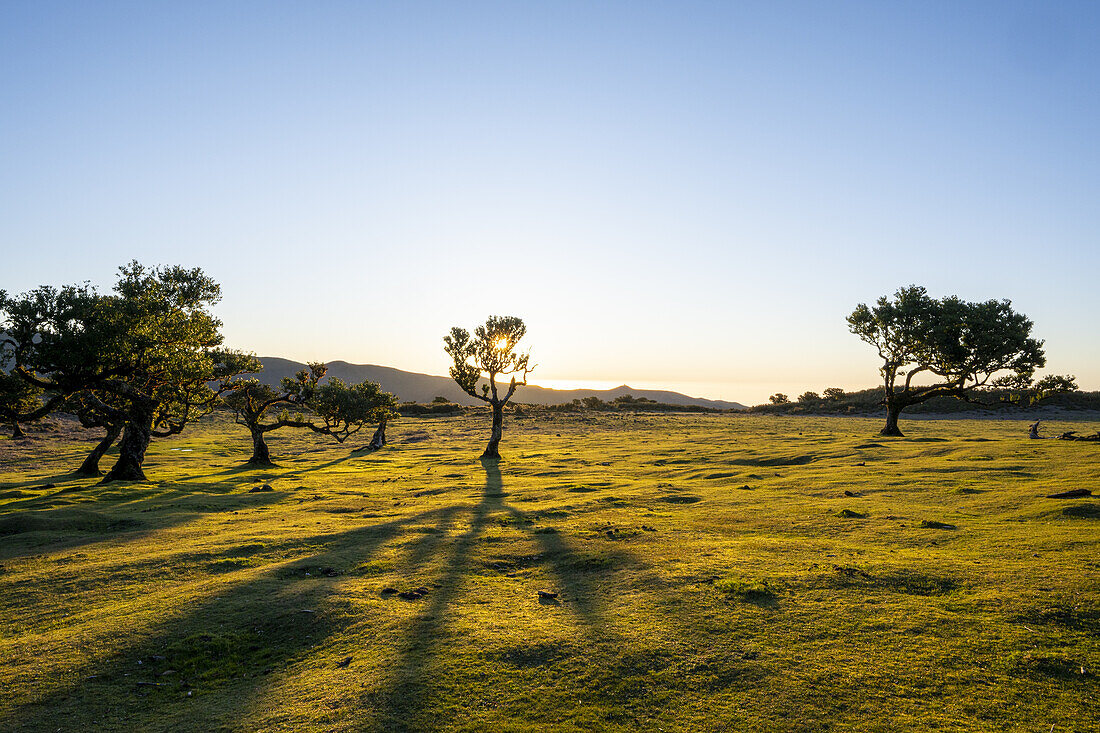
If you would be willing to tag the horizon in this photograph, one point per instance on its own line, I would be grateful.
(690, 195)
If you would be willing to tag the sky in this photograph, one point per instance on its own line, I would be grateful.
(686, 195)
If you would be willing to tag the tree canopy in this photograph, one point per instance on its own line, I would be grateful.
(19, 402)
(950, 347)
(335, 409)
(152, 346)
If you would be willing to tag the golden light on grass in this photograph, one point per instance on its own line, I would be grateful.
(754, 548)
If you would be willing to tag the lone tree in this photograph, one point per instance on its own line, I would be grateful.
(491, 352)
(977, 352)
(152, 347)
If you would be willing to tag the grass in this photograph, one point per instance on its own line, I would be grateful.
(713, 572)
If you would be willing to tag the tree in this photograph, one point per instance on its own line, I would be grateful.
(335, 409)
(19, 402)
(152, 347)
(809, 397)
(344, 409)
(491, 352)
(978, 352)
(779, 399)
(251, 401)
(833, 393)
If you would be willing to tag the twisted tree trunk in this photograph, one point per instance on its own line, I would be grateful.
(90, 466)
(379, 438)
(492, 450)
(893, 411)
(131, 449)
(261, 456)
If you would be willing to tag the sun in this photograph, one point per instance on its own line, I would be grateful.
(501, 344)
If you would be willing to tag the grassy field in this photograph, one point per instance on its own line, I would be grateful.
(713, 572)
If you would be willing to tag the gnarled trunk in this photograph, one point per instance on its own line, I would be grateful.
(379, 438)
(131, 450)
(893, 411)
(17, 431)
(261, 456)
(90, 466)
(492, 451)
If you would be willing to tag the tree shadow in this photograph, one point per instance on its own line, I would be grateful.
(224, 650)
(53, 523)
(232, 651)
(401, 702)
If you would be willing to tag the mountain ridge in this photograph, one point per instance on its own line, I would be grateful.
(417, 387)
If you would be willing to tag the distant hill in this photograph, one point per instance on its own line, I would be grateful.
(410, 386)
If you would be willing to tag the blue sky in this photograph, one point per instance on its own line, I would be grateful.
(690, 195)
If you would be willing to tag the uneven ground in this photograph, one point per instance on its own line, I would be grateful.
(714, 573)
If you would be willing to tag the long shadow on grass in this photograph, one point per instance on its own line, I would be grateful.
(74, 517)
(224, 650)
(405, 700)
(232, 651)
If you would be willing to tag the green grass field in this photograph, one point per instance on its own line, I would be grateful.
(714, 572)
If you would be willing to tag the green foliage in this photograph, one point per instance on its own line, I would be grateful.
(344, 409)
(18, 399)
(434, 408)
(490, 352)
(965, 349)
(153, 342)
(833, 393)
(145, 356)
(779, 399)
(808, 398)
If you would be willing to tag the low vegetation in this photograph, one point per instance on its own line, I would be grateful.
(867, 402)
(758, 572)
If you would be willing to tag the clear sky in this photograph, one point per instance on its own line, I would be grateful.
(689, 195)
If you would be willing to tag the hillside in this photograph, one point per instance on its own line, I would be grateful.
(411, 386)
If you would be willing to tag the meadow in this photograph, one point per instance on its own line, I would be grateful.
(712, 572)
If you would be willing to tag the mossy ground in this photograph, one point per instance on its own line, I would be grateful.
(714, 572)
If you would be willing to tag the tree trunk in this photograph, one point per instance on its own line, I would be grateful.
(131, 451)
(261, 456)
(379, 438)
(17, 431)
(492, 451)
(893, 410)
(90, 466)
